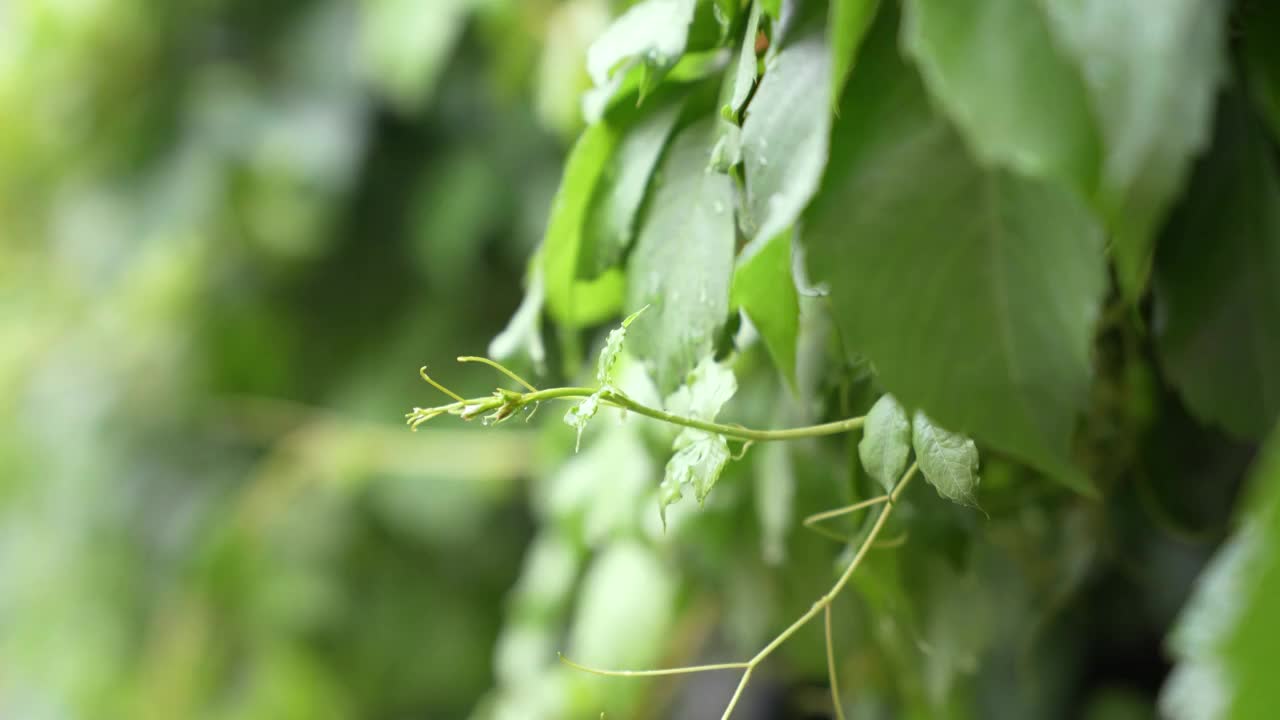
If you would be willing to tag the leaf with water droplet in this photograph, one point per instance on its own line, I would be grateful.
(579, 415)
(648, 38)
(700, 456)
(699, 459)
(948, 460)
(886, 442)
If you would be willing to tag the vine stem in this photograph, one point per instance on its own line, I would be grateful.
(821, 605)
(618, 399)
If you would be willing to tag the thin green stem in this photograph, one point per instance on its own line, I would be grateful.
(423, 372)
(823, 604)
(831, 663)
(620, 400)
(500, 368)
(687, 670)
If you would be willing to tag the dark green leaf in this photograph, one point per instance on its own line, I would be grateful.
(764, 290)
(973, 292)
(886, 442)
(1260, 22)
(993, 67)
(683, 259)
(1217, 283)
(575, 303)
(611, 217)
(848, 25)
(784, 138)
(1152, 77)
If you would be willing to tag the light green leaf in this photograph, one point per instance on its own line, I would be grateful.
(784, 138)
(1217, 282)
(994, 69)
(773, 7)
(581, 414)
(886, 442)
(683, 260)
(1152, 72)
(624, 610)
(648, 38)
(744, 73)
(705, 391)
(847, 25)
(974, 293)
(611, 215)
(572, 302)
(699, 456)
(948, 460)
(764, 289)
(523, 332)
(1227, 637)
(612, 348)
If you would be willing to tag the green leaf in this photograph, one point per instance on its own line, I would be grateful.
(1152, 79)
(611, 215)
(1226, 639)
(1260, 23)
(580, 415)
(624, 610)
(648, 39)
(523, 332)
(705, 391)
(744, 73)
(948, 460)
(699, 456)
(613, 348)
(886, 442)
(574, 303)
(683, 259)
(1217, 282)
(784, 138)
(772, 7)
(973, 293)
(994, 69)
(764, 289)
(847, 26)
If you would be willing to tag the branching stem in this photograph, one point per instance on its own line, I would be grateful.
(822, 605)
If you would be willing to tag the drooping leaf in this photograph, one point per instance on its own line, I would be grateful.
(847, 26)
(647, 40)
(1227, 636)
(996, 72)
(1217, 282)
(764, 289)
(573, 302)
(1152, 74)
(523, 332)
(744, 72)
(974, 292)
(683, 260)
(700, 456)
(784, 138)
(949, 461)
(611, 215)
(886, 442)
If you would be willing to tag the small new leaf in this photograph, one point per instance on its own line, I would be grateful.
(886, 442)
(613, 348)
(948, 460)
(579, 415)
(705, 391)
(700, 458)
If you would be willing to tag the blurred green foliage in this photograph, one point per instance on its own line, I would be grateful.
(231, 230)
